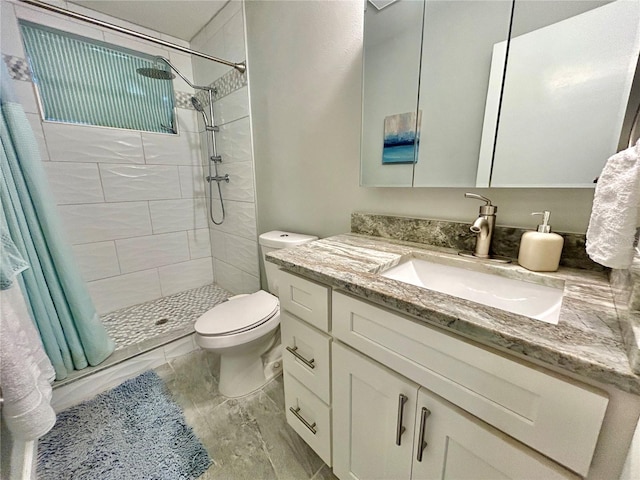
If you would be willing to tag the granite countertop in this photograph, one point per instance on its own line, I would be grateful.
(587, 340)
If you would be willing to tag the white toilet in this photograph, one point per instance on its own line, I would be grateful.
(244, 328)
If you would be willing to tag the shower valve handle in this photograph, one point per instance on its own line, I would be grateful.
(218, 178)
(216, 158)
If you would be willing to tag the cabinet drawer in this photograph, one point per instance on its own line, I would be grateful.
(558, 418)
(306, 355)
(309, 417)
(305, 299)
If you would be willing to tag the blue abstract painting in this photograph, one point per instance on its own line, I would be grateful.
(401, 138)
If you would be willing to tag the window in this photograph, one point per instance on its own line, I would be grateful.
(89, 82)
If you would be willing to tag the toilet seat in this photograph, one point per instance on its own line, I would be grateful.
(238, 315)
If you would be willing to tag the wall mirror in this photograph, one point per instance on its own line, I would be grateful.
(543, 107)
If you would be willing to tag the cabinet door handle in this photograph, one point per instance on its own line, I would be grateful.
(402, 399)
(294, 352)
(310, 426)
(423, 426)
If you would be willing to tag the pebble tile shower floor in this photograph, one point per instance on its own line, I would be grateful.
(140, 323)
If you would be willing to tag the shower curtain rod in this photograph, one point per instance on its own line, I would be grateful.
(241, 67)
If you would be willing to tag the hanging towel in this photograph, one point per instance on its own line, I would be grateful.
(614, 216)
(25, 370)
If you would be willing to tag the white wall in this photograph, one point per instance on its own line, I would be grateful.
(234, 243)
(130, 200)
(305, 65)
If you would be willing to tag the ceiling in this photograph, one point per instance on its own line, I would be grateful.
(178, 18)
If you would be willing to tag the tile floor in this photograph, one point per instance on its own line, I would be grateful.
(247, 438)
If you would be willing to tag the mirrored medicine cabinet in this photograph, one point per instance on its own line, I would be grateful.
(497, 93)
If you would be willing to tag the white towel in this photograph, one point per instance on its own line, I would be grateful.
(25, 370)
(614, 216)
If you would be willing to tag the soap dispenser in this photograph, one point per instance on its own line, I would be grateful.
(540, 250)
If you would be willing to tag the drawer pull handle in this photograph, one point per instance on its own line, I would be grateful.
(423, 426)
(310, 426)
(308, 363)
(402, 399)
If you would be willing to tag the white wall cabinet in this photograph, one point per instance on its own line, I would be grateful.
(387, 427)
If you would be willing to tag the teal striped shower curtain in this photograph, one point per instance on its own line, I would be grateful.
(57, 297)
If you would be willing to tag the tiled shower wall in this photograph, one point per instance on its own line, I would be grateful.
(234, 243)
(131, 201)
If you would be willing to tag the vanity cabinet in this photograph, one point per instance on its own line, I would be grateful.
(386, 426)
(556, 417)
(361, 380)
(304, 323)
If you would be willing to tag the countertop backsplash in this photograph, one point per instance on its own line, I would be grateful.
(456, 235)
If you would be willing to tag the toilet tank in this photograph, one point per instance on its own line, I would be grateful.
(277, 240)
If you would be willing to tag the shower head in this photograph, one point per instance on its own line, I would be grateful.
(197, 104)
(156, 73)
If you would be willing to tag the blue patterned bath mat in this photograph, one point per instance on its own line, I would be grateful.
(134, 431)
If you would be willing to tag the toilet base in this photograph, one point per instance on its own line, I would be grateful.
(242, 373)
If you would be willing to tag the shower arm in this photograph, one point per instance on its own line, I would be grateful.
(172, 66)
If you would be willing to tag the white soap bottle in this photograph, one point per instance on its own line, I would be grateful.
(540, 251)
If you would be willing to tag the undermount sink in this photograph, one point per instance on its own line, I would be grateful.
(535, 301)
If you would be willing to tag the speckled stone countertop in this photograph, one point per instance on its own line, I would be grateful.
(587, 340)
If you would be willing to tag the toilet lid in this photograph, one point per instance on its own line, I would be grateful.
(238, 315)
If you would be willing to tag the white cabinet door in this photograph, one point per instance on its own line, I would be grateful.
(370, 404)
(457, 446)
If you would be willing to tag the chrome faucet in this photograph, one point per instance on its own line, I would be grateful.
(483, 226)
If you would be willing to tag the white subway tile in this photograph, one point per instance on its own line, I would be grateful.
(176, 215)
(26, 96)
(74, 183)
(205, 71)
(136, 45)
(182, 62)
(184, 276)
(229, 277)
(234, 39)
(189, 120)
(108, 18)
(176, 40)
(192, 181)
(180, 347)
(105, 221)
(242, 253)
(234, 141)
(240, 186)
(218, 243)
(240, 219)
(183, 149)
(250, 283)
(97, 260)
(199, 243)
(142, 253)
(81, 143)
(233, 106)
(56, 21)
(240, 135)
(38, 132)
(123, 291)
(102, 380)
(139, 182)
(11, 43)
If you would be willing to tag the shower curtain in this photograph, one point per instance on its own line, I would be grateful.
(56, 296)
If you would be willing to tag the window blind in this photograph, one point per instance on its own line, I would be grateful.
(85, 81)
